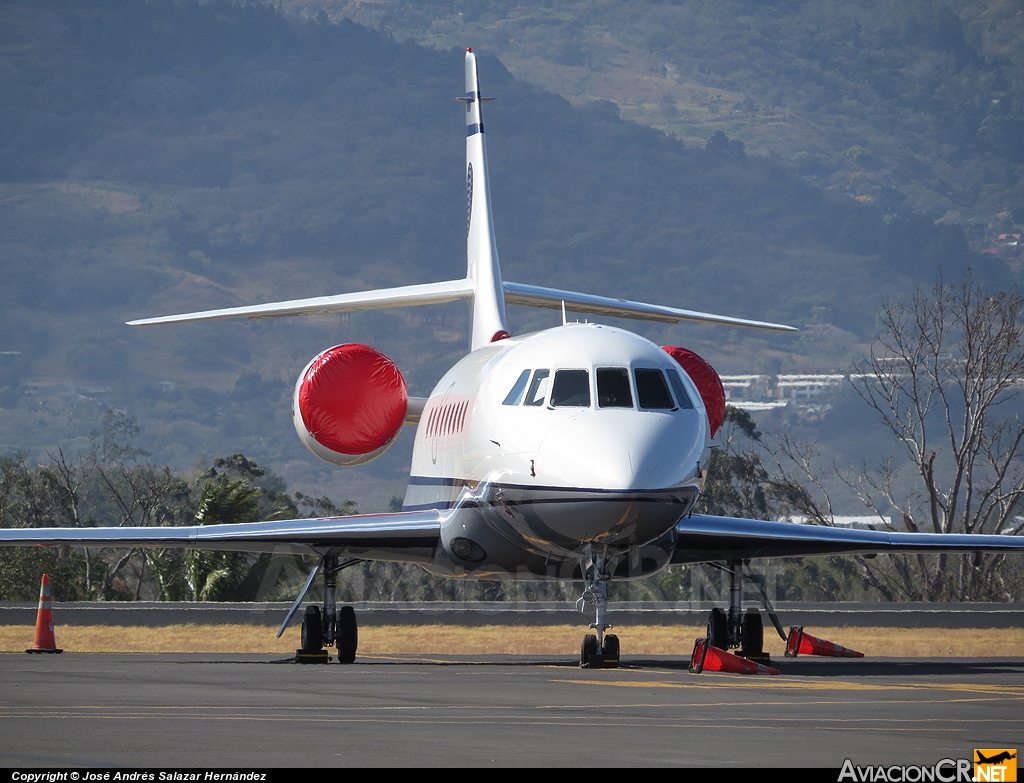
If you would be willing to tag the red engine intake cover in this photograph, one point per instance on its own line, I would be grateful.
(352, 400)
(707, 381)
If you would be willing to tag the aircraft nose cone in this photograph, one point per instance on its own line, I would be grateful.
(618, 450)
(577, 453)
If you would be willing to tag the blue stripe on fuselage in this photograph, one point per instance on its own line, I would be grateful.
(563, 495)
(443, 505)
(441, 481)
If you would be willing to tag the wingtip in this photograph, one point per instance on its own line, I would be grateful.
(469, 50)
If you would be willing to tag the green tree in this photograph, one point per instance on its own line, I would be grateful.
(236, 490)
(111, 484)
(213, 575)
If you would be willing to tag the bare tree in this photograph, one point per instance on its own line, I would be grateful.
(739, 484)
(944, 378)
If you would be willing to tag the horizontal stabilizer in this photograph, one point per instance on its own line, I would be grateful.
(371, 536)
(703, 538)
(552, 298)
(379, 299)
(451, 290)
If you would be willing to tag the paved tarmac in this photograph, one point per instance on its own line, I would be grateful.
(247, 711)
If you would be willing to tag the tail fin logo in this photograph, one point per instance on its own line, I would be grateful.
(469, 197)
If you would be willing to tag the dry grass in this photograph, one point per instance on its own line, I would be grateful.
(522, 640)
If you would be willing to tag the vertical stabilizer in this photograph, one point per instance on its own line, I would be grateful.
(481, 250)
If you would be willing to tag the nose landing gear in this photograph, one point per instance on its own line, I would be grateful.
(598, 650)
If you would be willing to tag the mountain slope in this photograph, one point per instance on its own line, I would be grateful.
(164, 157)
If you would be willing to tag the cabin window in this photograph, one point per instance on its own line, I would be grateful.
(571, 389)
(680, 390)
(516, 395)
(613, 388)
(538, 388)
(651, 390)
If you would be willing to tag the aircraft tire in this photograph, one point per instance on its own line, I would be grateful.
(718, 629)
(588, 648)
(348, 635)
(753, 632)
(611, 650)
(312, 630)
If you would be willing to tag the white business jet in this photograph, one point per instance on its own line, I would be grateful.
(572, 453)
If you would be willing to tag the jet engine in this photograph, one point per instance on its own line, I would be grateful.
(705, 379)
(349, 405)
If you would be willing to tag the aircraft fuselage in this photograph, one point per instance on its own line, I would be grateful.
(550, 443)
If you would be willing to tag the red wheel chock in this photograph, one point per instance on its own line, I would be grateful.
(800, 643)
(706, 658)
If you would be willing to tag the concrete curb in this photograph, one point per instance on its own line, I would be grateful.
(156, 614)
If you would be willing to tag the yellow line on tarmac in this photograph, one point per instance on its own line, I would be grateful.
(299, 712)
(764, 681)
(419, 659)
(802, 702)
(571, 721)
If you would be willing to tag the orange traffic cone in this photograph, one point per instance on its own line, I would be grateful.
(708, 658)
(44, 643)
(800, 643)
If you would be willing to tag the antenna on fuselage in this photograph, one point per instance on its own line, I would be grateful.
(563, 312)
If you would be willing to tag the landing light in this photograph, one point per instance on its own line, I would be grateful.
(465, 549)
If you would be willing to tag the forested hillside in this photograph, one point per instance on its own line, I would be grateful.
(165, 157)
(913, 105)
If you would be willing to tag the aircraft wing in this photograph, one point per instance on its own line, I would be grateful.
(552, 298)
(406, 536)
(703, 538)
(379, 299)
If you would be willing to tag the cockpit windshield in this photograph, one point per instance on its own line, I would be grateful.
(677, 386)
(571, 389)
(651, 389)
(515, 396)
(613, 388)
(538, 388)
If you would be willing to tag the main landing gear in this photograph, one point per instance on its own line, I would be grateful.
(326, 627)
(737, 628)
(598, 650)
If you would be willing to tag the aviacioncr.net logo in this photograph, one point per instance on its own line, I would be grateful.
(944, 771)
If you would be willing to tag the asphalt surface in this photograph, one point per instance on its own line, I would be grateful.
(245, 711)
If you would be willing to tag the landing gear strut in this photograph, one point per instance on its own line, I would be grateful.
(327, 627)
(598, 650)
(736, 628)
